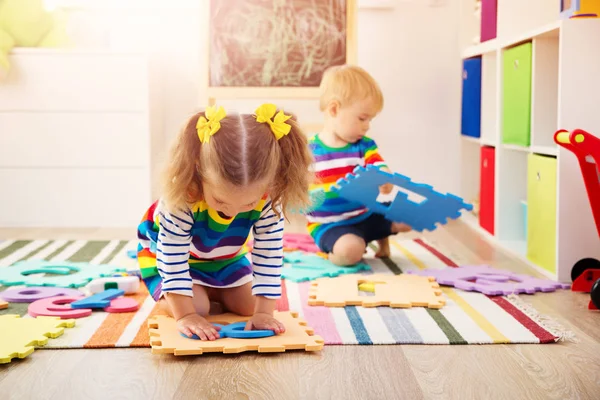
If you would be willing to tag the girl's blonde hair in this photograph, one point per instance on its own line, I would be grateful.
(242, 152)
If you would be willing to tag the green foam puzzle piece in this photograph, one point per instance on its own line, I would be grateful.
(307, 267)
(67, 274)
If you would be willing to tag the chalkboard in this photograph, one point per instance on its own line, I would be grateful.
(276, 43)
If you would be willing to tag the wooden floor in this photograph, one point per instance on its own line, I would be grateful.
(568, 370)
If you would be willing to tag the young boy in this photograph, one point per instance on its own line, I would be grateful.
(350, 99)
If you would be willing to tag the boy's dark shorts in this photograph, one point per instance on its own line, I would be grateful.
(374, 227)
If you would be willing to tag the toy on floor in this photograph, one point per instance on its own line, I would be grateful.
(31, 294)
(490, 281)
(98, 300)
(300, 241)
(306, 267)
(236, 331)
(3, 305)
(296, 241)
(586, 147)
(397, 291)
(165, 338)
(129, 284)
(132, 254)
(78, 306)
(362, 186)
(19, 336)
(65, 274)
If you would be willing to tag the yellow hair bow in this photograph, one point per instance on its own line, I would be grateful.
(279, 127)
(208, 126)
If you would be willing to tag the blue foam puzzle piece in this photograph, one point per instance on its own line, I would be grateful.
(99, 300)
(132, 253)
(362, 186)
(307, 267)
(236, 331)
(64, 274)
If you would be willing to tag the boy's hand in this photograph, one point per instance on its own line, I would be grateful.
(195, 324)
(265, 321)
(386, 189)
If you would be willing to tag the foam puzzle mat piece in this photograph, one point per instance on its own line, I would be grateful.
(397, 291)
(3, 305)
(18, 336)
(165, 338)
(362, 186)
(65, 274)
(300, 241)
(31, 294)
(306, 267)
(490, 281)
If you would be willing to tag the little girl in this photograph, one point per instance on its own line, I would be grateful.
(228, 175)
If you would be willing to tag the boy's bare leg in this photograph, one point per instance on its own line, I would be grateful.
(383, 250)
(348, 250)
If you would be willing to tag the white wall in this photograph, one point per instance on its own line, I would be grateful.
(412, 50)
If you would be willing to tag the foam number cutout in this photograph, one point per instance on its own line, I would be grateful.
(122, 305)
(57, 307)
(236, 331)
(31, 294)
(490, 281)
(65, 274)
(362, 186)
(99, 300)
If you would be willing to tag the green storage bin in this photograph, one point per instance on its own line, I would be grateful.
(516, 95)
(541, 211)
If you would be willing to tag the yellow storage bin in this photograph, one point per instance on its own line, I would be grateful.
(541, 211)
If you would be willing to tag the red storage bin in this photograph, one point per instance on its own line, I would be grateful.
(488, 19)
(486, 188)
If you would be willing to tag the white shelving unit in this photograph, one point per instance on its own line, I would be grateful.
(565, 88)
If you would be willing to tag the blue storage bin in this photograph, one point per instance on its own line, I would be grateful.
(471, 97)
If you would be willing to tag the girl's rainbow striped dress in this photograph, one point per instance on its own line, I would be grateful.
(199, 246)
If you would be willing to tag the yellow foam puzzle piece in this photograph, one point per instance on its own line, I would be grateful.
(397, 291)
(18, 336)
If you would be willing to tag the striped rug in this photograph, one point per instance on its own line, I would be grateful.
(467, 317)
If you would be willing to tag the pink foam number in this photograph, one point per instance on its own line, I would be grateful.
(58, 307)
(34, 293)
(300, 241)
(490, 281)
(122, 305)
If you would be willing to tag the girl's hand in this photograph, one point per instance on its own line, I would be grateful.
(195, 324)
(260, 321)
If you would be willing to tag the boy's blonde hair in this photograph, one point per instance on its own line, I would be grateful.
(242, 152)
(347, 84)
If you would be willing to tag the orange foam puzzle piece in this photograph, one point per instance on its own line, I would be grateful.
(397, 291)
(165, 338)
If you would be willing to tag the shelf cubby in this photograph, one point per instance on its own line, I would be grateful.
(511, 192)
